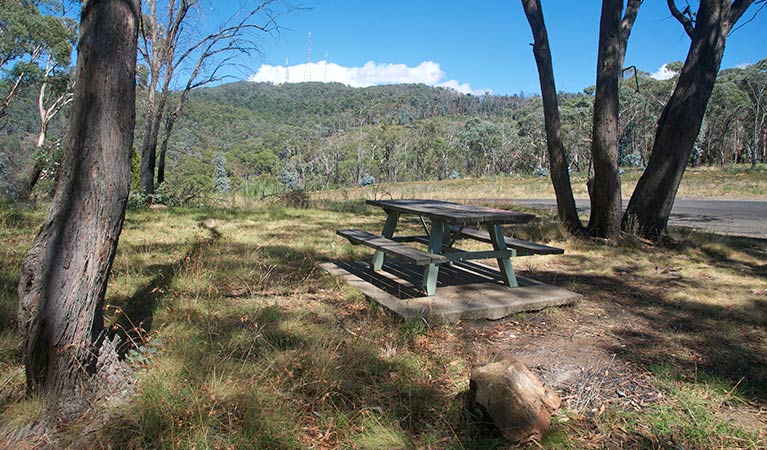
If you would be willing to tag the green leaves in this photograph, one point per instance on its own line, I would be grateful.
(30, 35)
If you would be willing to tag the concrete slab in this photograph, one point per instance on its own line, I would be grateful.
(465, 290)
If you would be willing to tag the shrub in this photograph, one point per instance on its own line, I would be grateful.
(541, 171)
(289, 178)
(221, 179)
(7, 189)
(366, 180)
(295, 199)
(137, 200)
(135, 169)
(633, 159)
(166, 194)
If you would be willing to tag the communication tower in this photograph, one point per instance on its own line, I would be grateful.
(325, 75)
(308, 72)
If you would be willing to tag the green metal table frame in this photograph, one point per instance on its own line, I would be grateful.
(440, 242)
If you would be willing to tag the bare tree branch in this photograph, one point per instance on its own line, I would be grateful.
(173, 51)
(761, 3)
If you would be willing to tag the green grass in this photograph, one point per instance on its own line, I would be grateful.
(239, 340)
(689, 416)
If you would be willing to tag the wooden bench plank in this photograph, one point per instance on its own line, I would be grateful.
(522, 246)
(392, 248)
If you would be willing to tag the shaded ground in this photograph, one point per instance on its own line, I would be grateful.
(627, 339)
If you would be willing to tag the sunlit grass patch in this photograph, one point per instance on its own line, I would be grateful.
(17, 230)
(21, 413)
(377, 434)
(688, 417)
(736, 182)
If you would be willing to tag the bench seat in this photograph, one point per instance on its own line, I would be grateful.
(396, 250)
(522, 247)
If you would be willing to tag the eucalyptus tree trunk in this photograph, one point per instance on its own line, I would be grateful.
(64, 275)
(679, 124)
(170, 120)
(560, 176)
(47, 110)
(605, 219)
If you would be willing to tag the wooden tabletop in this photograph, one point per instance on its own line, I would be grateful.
(453, 213)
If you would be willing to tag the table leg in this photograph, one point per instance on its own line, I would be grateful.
(392, 217)
(431, 272)
(504, 264)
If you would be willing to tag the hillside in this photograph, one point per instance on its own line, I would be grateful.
(321, 135)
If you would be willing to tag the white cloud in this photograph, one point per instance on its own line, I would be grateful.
(463, 88)
(664, 73)
(372, 73)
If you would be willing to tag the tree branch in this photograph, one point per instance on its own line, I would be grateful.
(629, 17)
(684, 17)
(738, 8)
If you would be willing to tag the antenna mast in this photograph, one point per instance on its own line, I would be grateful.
(287, 71)
(325, 76)
(308, 73)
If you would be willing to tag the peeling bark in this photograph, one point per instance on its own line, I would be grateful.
(64, 275)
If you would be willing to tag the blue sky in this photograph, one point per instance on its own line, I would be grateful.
(471, 46)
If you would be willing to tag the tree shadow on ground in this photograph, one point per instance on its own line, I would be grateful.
(303, 368)
(290, 366)
(135, 314)
(693, 338)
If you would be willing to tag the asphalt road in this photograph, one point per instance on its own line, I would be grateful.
(737, 217)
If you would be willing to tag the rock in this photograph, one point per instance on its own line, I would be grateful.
(158, 206)
(508, 394)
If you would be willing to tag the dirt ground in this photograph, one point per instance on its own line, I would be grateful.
(583, 352)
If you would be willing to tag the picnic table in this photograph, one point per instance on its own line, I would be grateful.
(449, 223)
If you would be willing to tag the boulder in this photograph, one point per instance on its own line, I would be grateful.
(513, 398)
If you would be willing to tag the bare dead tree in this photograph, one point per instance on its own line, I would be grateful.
(168, 50)
(50, 102)
(158, 45)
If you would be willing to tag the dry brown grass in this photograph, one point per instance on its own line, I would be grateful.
(240, 341)
(736, 182)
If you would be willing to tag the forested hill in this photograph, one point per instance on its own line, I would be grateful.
(337, 105)
(321, 134)
(317, 135)
(334, 102)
